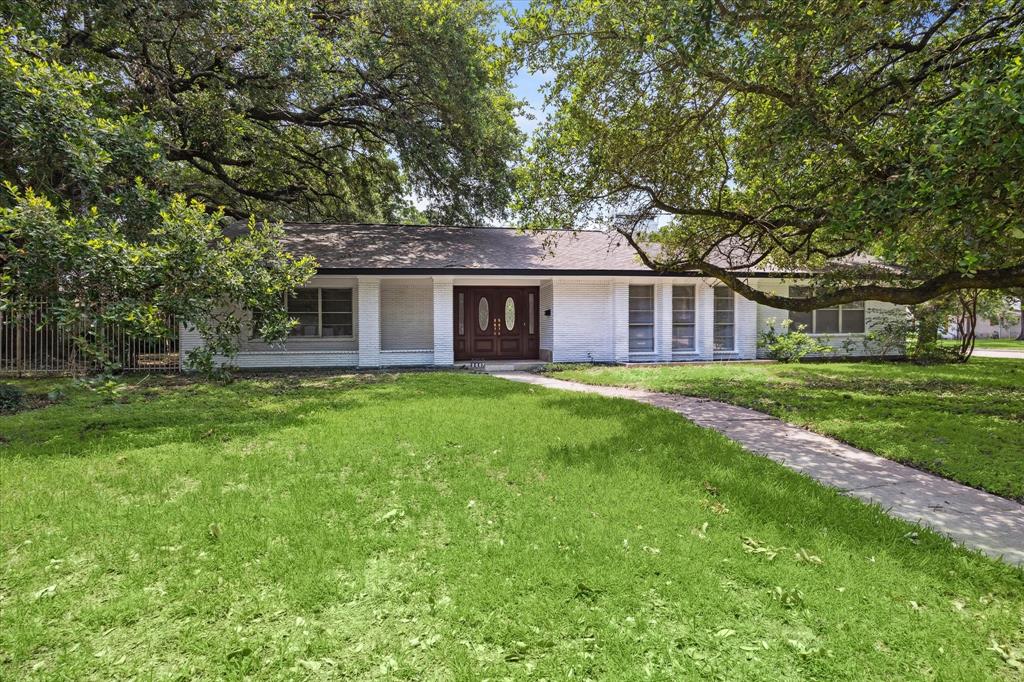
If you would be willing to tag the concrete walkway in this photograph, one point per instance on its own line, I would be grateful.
(999, 353)
(977, 519)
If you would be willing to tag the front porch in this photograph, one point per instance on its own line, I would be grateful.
(449, 321)
(369, 321)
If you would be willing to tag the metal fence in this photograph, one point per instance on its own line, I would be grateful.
(32, 344)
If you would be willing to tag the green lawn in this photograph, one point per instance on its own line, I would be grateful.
(1001, 344)
(964, 422)
(445, 526)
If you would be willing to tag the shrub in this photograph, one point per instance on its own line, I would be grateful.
(12, 398)
(791, 344)
(890, 332)
(934, 354)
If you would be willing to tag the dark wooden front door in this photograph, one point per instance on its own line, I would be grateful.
(497, 323)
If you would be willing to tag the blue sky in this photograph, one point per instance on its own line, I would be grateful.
(526, 85)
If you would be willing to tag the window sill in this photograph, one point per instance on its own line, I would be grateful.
(817, 334)
(285, 351)
(320, 338)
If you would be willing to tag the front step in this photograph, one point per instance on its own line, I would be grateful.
(511, 366)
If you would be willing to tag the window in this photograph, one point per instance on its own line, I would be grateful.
(725, 319)
(847, 318)
(321, 312)
(684, 319)
(641, 319)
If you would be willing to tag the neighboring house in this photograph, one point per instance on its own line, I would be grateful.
(1005, 327)
(1008, 326)
(399, 295)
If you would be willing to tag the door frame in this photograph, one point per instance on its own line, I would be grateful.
(464, 314)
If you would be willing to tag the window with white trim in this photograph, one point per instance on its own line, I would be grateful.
(847, 318)
(684, 319)
(641, 319)
(725, 319)
(321, 312)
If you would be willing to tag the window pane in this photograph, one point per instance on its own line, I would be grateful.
(336, 300)
(724, 337)
(826, 321)
(853, 321)
(683, 296)
(684, 316)
(307, 324)
(724, 318)
(798, 320)
(303, 301)
(683, 305)
(799, 292)
(483, 313)
(337, 324)
(856, 304)
(683, 337)
(641, 339)
(641, 319)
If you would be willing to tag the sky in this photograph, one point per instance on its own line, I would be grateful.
(526, 85)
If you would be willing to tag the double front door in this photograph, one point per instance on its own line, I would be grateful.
(494, 323)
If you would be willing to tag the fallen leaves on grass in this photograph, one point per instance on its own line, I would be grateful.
(752, 546)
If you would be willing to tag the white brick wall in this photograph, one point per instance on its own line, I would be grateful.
(705, 320)
(663, 320)
(444, 321)
(293, 358)
(409, 322)
(546, 321)
(620, 321)
(406, 315)
(580, 315)
(369, 321)
(746, 328)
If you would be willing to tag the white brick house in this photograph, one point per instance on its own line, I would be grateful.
(394, 295)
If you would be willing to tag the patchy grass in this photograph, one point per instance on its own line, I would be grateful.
(439, 526)
(964, 422)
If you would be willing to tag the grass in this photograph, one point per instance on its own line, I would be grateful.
(964, 422)
(445, 526)
(999, 344)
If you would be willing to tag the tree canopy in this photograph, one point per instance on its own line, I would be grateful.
(303, 109)
(84, 226)
(792, 134)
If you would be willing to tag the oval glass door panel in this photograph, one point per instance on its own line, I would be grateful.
(510, 314)
(483, 313)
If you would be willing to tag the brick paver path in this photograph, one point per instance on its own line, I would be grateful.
(977, 519)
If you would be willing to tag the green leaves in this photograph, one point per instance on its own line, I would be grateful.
(301, 111)
(786, 136)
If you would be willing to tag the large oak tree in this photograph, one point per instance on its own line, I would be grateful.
(789, 134)
(304, 109)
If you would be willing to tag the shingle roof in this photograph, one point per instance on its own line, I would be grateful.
(365, 249)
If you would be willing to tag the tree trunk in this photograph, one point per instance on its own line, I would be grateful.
(967, 323)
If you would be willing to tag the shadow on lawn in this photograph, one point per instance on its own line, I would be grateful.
(198, 413)
(208, 414)
(750, 485)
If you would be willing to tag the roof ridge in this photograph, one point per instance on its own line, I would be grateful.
(438, 225)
